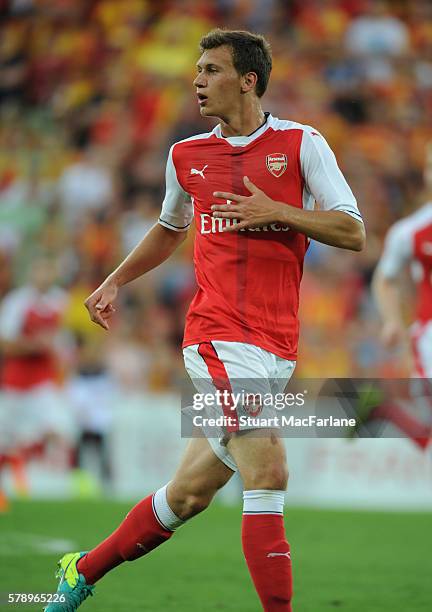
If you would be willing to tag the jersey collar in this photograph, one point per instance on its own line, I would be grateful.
(241, 141)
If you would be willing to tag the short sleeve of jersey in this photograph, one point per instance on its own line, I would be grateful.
(323, 177)
(177, 210)
(397, 252)
(12, 311)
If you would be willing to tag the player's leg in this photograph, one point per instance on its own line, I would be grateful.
(13, 441)
(390, 409)
(421, 339)
(150, 523)
(5, 418)
(200, 475)
(4, 502)
(262, 465)
(240, 368)
(154, 519)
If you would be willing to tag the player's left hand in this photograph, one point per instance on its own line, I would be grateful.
(251, 211)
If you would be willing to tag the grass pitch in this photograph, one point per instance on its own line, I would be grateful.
(348, 561)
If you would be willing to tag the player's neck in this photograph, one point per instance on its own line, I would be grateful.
(244, 122)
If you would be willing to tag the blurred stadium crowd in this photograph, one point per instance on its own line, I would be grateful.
(93, 92)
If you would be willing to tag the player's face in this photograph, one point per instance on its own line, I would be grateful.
(217, 83)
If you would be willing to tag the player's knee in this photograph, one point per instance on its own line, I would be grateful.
(193, 504)
(186, 503)
(271, 476)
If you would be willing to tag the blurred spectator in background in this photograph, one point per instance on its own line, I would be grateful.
(377, 32)
(85, 186)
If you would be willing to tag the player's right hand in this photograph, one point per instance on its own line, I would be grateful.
(99, 303)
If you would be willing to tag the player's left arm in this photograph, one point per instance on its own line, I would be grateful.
(386, 284)
(338, 224)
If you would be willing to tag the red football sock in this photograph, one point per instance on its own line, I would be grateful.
(268, 558)
(138, 534)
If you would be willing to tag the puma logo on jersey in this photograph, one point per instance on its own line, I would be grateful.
(200, 172)
(287, 554)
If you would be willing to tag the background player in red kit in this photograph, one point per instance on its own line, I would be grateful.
(33, 410)
(251, 239)
(408, 247)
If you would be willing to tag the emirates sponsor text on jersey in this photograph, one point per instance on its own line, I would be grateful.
(213, 225)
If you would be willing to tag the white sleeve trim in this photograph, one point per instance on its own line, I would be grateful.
(173, 227)
(177, 209)
(323, 177)
(351, 213)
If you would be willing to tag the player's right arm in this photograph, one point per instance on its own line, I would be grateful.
(156, 246)
(386, 285)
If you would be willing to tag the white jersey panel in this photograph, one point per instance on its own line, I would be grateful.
(177, 208)
(398, 251)
(399, 243)
(13, 311)
(324, 180)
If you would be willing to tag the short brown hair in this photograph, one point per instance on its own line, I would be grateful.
(250, 52)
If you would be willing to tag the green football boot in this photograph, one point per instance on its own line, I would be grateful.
(72, 588)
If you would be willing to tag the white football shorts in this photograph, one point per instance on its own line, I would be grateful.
(251, 375)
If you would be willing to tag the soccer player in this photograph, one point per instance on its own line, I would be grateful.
(408, 245)
(252, 235)
(33, 410)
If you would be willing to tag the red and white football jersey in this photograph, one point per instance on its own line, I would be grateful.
(248, 281)
(27, 313)
(409, 242)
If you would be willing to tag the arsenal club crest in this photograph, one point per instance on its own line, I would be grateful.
(276, 163)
